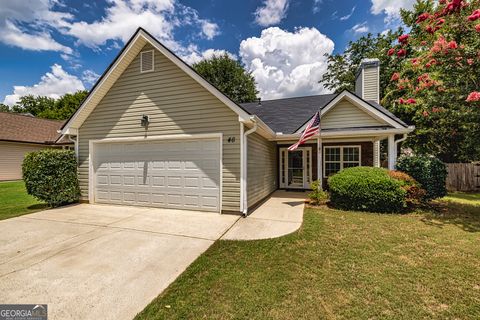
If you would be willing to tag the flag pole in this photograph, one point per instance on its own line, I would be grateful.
(319, 153)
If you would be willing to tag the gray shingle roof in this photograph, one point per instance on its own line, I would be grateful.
(289, 114)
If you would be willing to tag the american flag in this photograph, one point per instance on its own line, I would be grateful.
(313, 128)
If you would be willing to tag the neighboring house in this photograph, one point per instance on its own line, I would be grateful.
(152, 132)
(20, 134)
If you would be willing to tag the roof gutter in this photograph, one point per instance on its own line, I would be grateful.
(244, 166)
(346, 134)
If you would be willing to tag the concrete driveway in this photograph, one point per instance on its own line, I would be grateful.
(98, 261)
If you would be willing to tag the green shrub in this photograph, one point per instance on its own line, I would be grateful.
(430, 172)
(366, 189)
(317, 196)
(50, 175)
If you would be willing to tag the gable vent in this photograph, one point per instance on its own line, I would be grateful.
(146, 61)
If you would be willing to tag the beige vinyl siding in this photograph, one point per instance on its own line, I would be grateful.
(358, 84)
(176, 104)
(262, 168)
(11, 158)
(370, 84)
(347, 115)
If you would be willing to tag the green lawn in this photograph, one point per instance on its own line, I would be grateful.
(464, 197)
(14, 200)
(339, 265)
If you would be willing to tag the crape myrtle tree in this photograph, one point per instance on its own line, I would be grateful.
(436, 82)
(229, 76)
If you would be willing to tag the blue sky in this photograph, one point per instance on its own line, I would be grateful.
(50, 47)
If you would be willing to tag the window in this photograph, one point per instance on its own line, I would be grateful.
(339, 157)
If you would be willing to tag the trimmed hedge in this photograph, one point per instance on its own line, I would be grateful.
(430, 172)
(367, 189)
(50, 175)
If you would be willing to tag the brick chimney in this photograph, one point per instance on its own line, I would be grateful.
(367, 81)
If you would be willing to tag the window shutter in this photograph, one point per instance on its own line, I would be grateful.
(146, 61)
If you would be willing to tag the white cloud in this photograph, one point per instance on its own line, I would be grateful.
(287, 64)
(193, 54)
(360, 28)
(90, 76)
(348, 15)
(209, 29)
(53, 84)
(316, 5)
(40, 17)
(272, 12)
(391, 8)
(122, 18)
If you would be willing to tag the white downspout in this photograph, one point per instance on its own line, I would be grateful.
(245, 165)
(75, 145)
(396, 145)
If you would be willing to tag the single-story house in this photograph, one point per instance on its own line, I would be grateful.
(20, 134)
(153, 132)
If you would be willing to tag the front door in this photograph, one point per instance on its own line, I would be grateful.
(295, 168)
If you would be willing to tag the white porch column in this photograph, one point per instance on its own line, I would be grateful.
(319, 162)
(376, 152)
(392, 153)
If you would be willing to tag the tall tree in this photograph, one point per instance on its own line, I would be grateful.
(342, 67)
(4, 108)
(436, 84)
(49, 108)
(65, 106)
(34, 105)
(229, 76)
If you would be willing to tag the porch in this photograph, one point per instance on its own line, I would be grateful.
(298, 169)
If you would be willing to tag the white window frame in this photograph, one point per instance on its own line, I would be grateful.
(153, 61)
(341, 157)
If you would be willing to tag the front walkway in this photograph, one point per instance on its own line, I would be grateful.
(281, 214)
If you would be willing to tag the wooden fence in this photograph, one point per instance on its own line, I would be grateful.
(463, 176)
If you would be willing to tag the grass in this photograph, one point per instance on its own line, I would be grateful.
(14, 200)
(464, 198)
(339, 265)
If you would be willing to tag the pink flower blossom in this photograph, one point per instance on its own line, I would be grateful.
(473, 96)
(452, 45)
(391, 51)
(477, 27)
(395, 76)
(403, 39)
(411, 101)
(425, 114)
(470, 61)
(401, 101)
(424, 16)
(474, 16)
(401, 53)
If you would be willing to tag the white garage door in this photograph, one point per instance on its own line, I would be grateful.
(180, 174)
